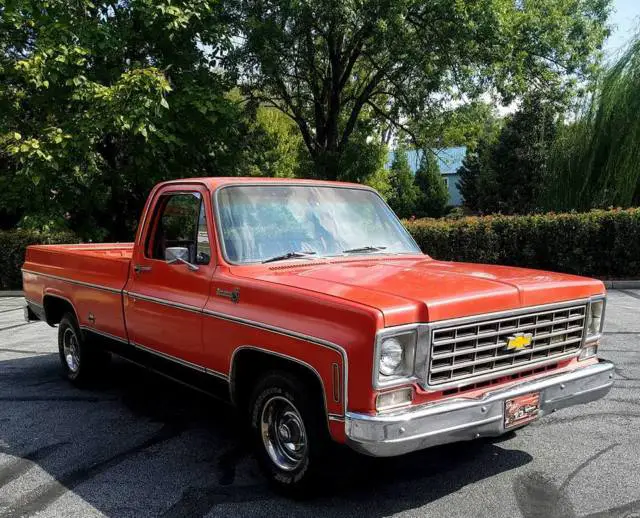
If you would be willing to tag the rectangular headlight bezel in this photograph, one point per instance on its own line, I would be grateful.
(410, 335)
(591, 336)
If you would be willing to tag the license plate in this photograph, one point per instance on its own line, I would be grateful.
(521, 410)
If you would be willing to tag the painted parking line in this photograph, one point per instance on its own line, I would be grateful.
(10, 310)
(14, 326)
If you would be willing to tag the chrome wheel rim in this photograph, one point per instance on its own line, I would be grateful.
(71, 350)
(283, 433)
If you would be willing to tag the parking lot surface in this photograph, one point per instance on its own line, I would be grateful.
(138, 445)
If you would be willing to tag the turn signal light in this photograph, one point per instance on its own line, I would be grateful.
(394, 399)
(588, 351)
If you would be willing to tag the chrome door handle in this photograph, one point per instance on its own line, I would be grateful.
(138, 268)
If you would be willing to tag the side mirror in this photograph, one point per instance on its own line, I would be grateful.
(175, 253)
(179, 254)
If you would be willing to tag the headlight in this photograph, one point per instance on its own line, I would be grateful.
(595, 313)
(391, 355)
(395, 357)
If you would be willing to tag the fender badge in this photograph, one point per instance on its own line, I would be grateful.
(233, 294)
(519, 341)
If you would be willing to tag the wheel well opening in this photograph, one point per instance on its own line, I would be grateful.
(55, 308)
(250, 364)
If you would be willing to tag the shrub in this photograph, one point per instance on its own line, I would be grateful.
(600, 243)
(13, 244)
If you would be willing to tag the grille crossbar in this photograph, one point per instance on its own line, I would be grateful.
(461, 353)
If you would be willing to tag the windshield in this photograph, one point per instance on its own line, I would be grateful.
(265, 223)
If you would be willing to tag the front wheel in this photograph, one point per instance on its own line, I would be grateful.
(289, 432)
(80, 360)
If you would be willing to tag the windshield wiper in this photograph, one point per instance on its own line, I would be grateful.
(364, 249)
(289, 255)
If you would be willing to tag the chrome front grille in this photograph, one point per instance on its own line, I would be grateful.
(477, 350)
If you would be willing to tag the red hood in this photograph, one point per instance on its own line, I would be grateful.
(420, 289)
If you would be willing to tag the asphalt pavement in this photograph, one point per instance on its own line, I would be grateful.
(138, 445)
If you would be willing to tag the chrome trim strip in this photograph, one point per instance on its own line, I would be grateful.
(164, 302)
(293, 334)
(257, 325)
(217, 374)
(105, 334)
(230, 318)
(33, 303)
(280, 355)
(73, 281)
(185, 363)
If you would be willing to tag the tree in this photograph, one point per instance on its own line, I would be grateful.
(507, 173)
(324, 63)
(404, 193)
(520, 156)
(276, 146)
(473, 183)
(433, 193)
(463, 125)
(99, 101)
(595, 158)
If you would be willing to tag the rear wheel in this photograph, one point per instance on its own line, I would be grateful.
(80, 360)
(289, 432)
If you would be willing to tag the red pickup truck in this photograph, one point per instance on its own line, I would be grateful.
(309, 306)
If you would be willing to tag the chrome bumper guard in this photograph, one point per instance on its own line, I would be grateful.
(460, 419)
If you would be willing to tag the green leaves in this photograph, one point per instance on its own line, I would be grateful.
(103, 99)
(595, 159)
(434, 195)
(506, 172)
(331, 66)
(604, 244)
(404, 194)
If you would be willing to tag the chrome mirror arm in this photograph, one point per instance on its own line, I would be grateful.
(192, 267)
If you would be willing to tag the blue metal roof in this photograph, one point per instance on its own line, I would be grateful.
(449, 159)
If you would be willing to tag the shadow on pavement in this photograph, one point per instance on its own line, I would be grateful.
(137, 444)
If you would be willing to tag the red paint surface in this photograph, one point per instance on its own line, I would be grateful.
(344, 301)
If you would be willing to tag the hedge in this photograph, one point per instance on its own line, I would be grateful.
(600, 243)
(13, 244)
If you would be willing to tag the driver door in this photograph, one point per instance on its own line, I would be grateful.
(164, 301)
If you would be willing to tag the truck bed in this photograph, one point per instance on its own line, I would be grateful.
(87, 275)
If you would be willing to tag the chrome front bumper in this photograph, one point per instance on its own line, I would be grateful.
(461, 419)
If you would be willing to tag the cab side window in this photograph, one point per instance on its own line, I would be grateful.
(180, 221)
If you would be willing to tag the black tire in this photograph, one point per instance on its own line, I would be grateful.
(301, 477)
(86, 361)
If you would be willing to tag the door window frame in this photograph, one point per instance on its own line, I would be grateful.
(144, 239)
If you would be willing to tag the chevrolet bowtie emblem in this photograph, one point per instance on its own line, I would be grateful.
(519, 341)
